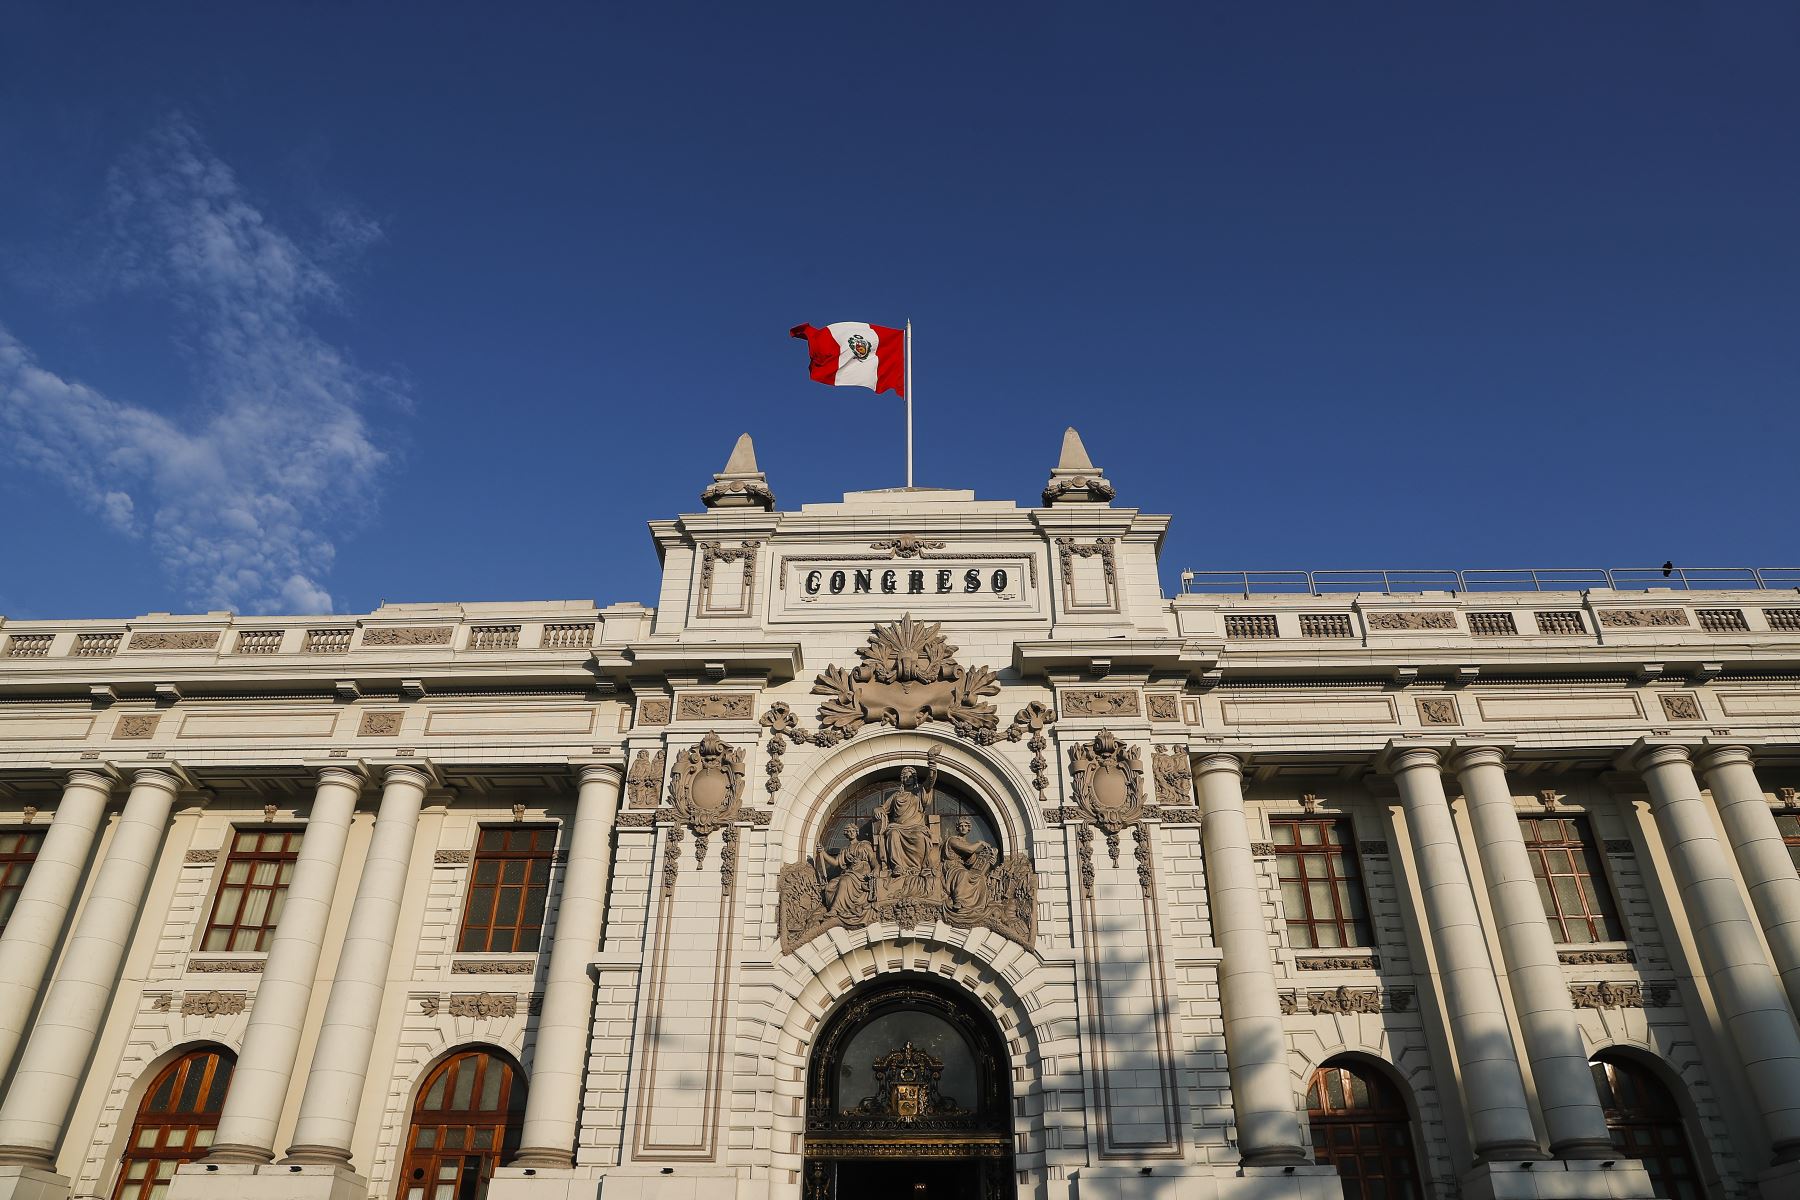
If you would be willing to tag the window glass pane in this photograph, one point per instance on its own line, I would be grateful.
(890, 1031)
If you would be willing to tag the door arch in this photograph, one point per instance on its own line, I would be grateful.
(1361, 1125)
(466, 1120)
(908, 1094)
(175, 1121)
(1646, 1123)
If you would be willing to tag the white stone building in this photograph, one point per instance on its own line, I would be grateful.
(914, 845)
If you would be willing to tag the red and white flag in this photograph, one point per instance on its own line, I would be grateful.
(857, 354)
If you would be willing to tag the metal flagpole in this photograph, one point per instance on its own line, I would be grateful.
(909, 473)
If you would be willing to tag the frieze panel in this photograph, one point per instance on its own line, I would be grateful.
(1619, 995)
(1163, 706)
(200, 857)
(1595, 958)
(1346, 962)
(908, 675)
(198, 640)
(1642, 618)
(1100, 702)
(1430, 619)
(132, 726)
(714, 706)
(212, 1004)
(383, 723)
(1346, 1001)
(225, 966)
(906, 546)
(453, 858)
(490, 967)
(419, 635)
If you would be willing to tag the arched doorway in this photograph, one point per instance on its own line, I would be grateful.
(175, 1122)
(1361, 1126)
(907, 1098)
(1646, 1124)
(466, 1121)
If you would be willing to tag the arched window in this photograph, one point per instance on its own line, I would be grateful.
(1646, 1124)
(175, 1122)
(465, 1123)
(1360, 1126)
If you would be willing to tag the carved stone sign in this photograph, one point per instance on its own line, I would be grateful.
(908, 675)
(902, 581)
(905, 871)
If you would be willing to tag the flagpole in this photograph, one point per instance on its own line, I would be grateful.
(909, 470)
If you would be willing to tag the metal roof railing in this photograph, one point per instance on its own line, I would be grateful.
(1526, 579)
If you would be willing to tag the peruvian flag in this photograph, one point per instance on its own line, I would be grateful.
(857, 354)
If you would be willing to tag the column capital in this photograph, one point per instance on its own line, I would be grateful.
(1211, 762)
(422, 774)
(168, 776)
(1410, 755)
(350, 774)
(1465, 754)
(599, 772)
(1653, 752)
(1724, 754)
(104, 776)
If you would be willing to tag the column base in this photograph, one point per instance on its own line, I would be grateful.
(20, 1181)
(250, 1181)
(1584, 1148)
(238, 1152)
(316, 1155)
(1195, 1181)
(539, 1158)
(1613, 1178)
(27, 1156)
(1275, 1156)
(1506, 1152)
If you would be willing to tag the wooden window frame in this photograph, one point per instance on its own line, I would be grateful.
(1655, 1133)
(1787, 823)
(1357, 1135)
(1355, 930)
(264, 928)
(464, 1169)
(1599, 915)
(196, 1124)
(484, 905)
(16, 865)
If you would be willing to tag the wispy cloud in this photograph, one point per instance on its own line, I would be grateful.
(239, 498)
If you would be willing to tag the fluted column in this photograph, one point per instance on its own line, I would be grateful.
(1262, 1084)
(553, 1102)
(1762, 857)
(265, 1066)
(43, 904)
(1752, 1004)
(340, 1065)
(1493, 1089)
(37, 1104)
(1559, 1062)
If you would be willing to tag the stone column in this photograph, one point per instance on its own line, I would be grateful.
(1762, 856)
(1262, 1083)
(340, 1066)
(1559, 1062)
(43, 904)
(43, 1089)
(1493, 1090)
(1752, 1006)
(553, 1102)
(265, 1066)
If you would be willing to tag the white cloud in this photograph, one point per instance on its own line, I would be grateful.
(240, 497)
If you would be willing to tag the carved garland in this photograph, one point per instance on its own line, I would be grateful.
(1069, 550)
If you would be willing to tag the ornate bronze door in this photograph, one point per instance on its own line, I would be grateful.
(908, 1099)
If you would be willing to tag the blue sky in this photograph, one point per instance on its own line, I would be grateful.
(317, 305)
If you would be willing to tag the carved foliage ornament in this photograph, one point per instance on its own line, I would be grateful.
(706, 789)
(908, 675)
(1642, 618)
(1100, 702)
(1430, 619)
(906, 546)
(421, 635)
(1107, 782)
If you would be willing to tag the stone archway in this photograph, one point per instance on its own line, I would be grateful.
(908, 1096)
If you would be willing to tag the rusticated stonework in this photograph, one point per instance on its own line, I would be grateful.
(1438, 710)
(197, 640)
(908, 675)
(1100, 702)
(1431, 619)
(714, 706)
(384, 723)
(643, 783)
(424, 635)
(1642, 618)
(132, 726)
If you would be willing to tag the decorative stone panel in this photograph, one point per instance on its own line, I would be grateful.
(714, 706)
(136, 726)
(1642, 618)
(654, 711)
(1430, 619)
(1438, 710)
(1100, 702)
(384, 723)
(1681, 706)
(187, 640)
(1163, 706)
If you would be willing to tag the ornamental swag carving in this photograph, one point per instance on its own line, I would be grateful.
(706, 789)
(908, 675)
(902, 869)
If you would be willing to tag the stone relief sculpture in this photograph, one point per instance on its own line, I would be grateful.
(706, 788)
(908, 675)
(643, 783)
(899, 869)
(1174, 778)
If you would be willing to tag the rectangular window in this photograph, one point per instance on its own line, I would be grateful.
(1788, 821)
(1321, 882)
(505, 912)
(18, 850)
(1576, 900)
(257, 873)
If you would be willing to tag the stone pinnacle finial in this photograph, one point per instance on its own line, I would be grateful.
(1075, 479)
(740, 484)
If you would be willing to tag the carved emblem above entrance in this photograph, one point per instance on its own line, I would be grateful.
(908, 675)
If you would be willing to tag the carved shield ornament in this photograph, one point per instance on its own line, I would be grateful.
(908, 675)
(1107, 781)
(706, 787)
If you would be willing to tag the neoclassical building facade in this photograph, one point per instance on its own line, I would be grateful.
(913, 845)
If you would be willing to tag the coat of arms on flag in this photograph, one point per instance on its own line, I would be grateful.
(856, 354)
